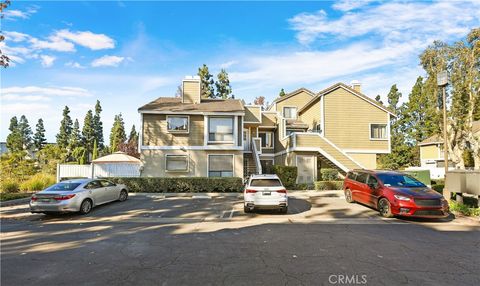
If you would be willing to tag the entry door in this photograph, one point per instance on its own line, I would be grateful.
(246, 142)
(305, 166)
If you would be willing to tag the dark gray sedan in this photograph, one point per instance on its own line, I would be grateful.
(79, 195)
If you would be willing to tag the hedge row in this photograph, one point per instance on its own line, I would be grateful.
(181, 185)
(287, 174)
(328, 185)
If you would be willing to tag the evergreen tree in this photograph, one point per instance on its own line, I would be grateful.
(39, 137)
(95, 150)
(26, 132)
(65, 129)
(393, 98)
(98, 125)
(133, 136)
(117, 133)
(224, 90)
(75, 137)
(88, 133)
(14, 139)
(282, 93)
(378, 99)
(206, 81)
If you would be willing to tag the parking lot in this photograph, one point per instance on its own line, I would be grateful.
(208, 240)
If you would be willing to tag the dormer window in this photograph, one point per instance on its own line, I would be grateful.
(290, 112)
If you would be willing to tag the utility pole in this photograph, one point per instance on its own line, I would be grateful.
(442, 81)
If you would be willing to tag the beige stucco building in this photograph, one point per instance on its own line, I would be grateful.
(338, 127)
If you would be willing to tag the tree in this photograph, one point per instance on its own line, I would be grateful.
(282, 93)
(393, 97)
(117, 133)
(39, 137)
(130, 148)
(133, 136)
(98, 125)
(95, 150)
(65, 129)
(4, 59)
(223, 85)
(14, 139)
(49, 157)
(88, 133)
(25, 132)
(379, 99)
(206, 82)
(179, 91)
(75, 137)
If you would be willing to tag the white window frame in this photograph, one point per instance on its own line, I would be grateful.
(271, 138)
(234, 128)
(187, 157)
(378, 139)
(233, 164)
(179, 131)
(283, 112)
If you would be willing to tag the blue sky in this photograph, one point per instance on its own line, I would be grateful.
(128, 53)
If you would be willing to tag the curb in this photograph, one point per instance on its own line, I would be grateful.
(187, 195)
(14, 202)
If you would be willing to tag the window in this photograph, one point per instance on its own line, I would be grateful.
(318, 128)
(220, 165)
(267, 139)
(289, 132)
(177, 163)
(93, 185)
(63, 187)
(399, 180)
(372, 181)
(177, 123)
(106, 183)
(361, 178)
(378, 131)
(267, 166)
(220, 129)
(265, 183)
(290, 112)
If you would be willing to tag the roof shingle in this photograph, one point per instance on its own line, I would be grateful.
(174, 104)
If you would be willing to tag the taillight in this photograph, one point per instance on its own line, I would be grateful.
(62, 198)
(250, 191)
(282, 191)
(34, 198)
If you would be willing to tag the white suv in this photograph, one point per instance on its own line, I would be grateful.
(265, 192)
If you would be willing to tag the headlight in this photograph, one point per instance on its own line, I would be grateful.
(401, 198)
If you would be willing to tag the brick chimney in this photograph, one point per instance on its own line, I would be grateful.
(191, 89)
(356, 85)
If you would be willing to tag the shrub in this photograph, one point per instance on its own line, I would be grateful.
(328, 185)
(303, 187)
(464, 209)
(329, 175)
(438, 188)
(38, 182)
(287, 174)
(9, 186)
(181, 185)
(13, 196)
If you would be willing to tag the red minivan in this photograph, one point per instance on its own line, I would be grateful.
(394, 194)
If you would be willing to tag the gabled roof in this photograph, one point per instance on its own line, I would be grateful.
(437, 139)
(293, 93)
(351, 90)
(175, 105)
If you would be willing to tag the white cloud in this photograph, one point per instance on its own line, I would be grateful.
(87, 39)
(107, 61)
(19, 14)
(16, 36)
(74, 65)
(228, 64)
(17, 97)
(396, 21)
(47, 61)
(347, 5)
(46, 91)
(53, 43)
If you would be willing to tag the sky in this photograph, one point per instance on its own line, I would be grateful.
(127, 53)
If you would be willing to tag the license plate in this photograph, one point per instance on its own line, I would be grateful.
(266, 193)
(44, 200)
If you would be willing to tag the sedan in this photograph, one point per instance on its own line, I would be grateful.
(79, 195)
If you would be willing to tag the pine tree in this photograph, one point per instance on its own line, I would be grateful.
(88, 133)
(14, 139)
(133, 136)
(282, 93)
(65, 128)
(26, 132)
(224, 90)
(98, 125)
(39, 137)
(206, 82)
(75, 137)
(393, 98)
(95, 150)
(117, 133)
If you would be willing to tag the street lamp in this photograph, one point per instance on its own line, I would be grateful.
(442, 81)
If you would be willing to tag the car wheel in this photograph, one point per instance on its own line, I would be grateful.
(86, 206)
(384, 207)
(284, 210)
(247, 210)
(348, 196)
(123, 196)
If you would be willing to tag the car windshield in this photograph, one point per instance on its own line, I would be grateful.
(265, 183)
(63, 187)
(399, 180)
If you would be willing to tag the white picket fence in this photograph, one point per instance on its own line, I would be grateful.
(103, 170)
